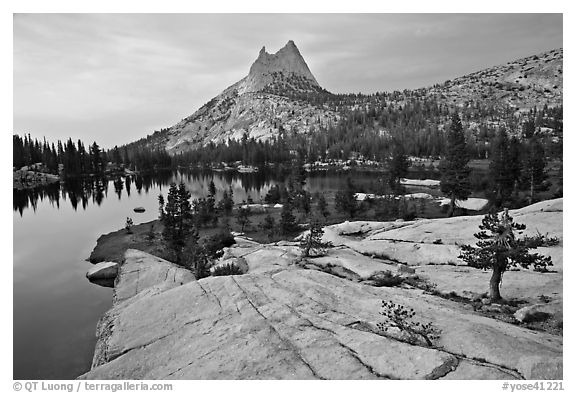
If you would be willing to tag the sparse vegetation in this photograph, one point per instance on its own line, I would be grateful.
(228, 269)
(215, 243)
(243, 216)
(311, 243)
(385, 279)
(129, 224)
(401, 318)
(540, 240)
(345, 199)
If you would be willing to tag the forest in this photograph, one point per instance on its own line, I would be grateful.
(369, 128)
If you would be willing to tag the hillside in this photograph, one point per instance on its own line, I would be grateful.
(281, 97)
(523, 83)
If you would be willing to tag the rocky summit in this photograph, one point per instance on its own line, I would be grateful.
(281, 96)
(260, 106)
(317, 318)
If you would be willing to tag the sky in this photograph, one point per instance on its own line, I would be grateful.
(114, 78)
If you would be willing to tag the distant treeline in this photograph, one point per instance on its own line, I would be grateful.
(369, 123)
(369, 131)
(357, 136)
(73, 159)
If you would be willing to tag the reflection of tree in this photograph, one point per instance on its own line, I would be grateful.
(138, 182)
(94, 189)
(118, 186)
(99, 186)
(128, 183)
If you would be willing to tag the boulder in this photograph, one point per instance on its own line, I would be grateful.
(102, 271)
(468, 204)
(539, 312)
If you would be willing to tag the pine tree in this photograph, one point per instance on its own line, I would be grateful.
(398, 166)
(211, 214)
(498, 249)
(269, 226)
(322, 205)
(177, 219)
(161, 207)
(515, 162)
(287, 219)
(533, 168)
(195, 256)
(345, 199)
(455, 182)
(212, 188)
(312, 241)
(97, 166)
(243, 217)
(501, 180)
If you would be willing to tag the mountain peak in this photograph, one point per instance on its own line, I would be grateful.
(287, 62)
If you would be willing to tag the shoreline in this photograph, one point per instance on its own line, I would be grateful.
(345, 269)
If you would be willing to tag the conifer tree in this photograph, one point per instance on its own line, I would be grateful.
(501, 179)
(345, 200)
(322, 205)
(498, 249)
(312, 241)
(533, 167)
(287, 219)
(398, 166)
(455, 182)
(269, 225)
(243, 217)
(177, 219)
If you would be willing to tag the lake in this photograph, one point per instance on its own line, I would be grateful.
(56, 308)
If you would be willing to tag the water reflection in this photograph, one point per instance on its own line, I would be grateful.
(93, 190)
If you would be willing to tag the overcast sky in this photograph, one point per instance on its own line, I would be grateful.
(116, 78)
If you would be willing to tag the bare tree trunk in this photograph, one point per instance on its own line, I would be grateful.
(497, 272)
(531, 186)
(452, 206)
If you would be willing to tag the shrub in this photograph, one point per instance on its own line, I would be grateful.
(386, 279)
(269, 226)
(129, 224)
(540, 240)
(150, 235)
(312, 242)
(228, 269)
(400, 318)
(196, 259)
(243, 216)
(215, 243)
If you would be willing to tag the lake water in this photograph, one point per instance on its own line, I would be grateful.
(56, 308)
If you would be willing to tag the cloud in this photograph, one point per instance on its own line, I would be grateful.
(117, 77)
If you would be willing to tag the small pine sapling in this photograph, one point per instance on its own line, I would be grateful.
(312, 242)
(129, 224)
(401, 318)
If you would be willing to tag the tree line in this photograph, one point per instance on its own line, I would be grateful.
(74, 159)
